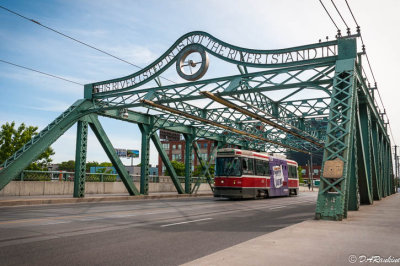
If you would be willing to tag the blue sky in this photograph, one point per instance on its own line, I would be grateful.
(140, 31)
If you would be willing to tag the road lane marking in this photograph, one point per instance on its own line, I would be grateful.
(128, 213)
(205, 219)
(277, 207)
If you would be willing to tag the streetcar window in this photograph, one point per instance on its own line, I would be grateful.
(292, 171)
(248, 166)
(228, 166)
(262, 167)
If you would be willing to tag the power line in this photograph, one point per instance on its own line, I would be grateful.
(370, 68)
(76, 40)
(391, 134)
(352, 14)
(43, 73)
(329, 15)
(366, 54)
(348, 29)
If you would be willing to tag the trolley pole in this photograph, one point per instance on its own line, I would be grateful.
(312, 173)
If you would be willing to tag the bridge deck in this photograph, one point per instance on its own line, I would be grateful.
(372, 231)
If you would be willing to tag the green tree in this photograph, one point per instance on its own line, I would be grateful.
(91, 164)
(68, 166)
(300, 174)
(179, 168)
(12, 139)
(198, 170)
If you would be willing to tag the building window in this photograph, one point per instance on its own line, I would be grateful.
(165, 146)
(179, 146)
(176, 157)
(205, 145)
(174, 147)
(203, 156)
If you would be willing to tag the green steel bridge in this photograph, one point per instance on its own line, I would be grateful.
(303, 99)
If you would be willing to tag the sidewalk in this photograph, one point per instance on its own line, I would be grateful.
(372, 231)
(60, 199)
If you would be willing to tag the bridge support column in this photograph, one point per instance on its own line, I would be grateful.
(188, 162)
(80, 159)
(145, 158)
(333, 197)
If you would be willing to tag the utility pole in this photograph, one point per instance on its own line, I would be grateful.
(312, 173)
(396, 162)
(309, 173)
(398, 170)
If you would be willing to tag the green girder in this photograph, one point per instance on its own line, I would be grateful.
(80, 159)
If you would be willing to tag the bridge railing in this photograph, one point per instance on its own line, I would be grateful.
(32, 175)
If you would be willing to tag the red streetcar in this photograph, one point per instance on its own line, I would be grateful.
(247, 174)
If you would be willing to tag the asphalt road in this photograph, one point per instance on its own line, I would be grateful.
(146, 232)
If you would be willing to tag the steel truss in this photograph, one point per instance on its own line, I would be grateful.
(241, 110)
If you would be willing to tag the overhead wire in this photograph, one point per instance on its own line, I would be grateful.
(76, 40)
(363, 47)
(326, 10)
(340, 14)
(43, 73)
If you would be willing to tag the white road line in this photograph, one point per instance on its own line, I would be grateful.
(165, 225)
(278, 207)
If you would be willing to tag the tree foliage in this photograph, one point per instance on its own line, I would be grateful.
(179, 168)
(300, 174)
(12, 139)
(198, 170)
(69, 166)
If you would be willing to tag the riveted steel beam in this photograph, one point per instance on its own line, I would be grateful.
(258, 117)
(178, 112)
(80, 159)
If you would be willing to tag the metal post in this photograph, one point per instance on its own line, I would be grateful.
(396, 165)
(188, 162)
(398, 172)
(312, 173)
(80, 159)
(309, 172)
(145, 157)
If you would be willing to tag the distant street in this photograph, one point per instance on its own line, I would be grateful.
(145, 232)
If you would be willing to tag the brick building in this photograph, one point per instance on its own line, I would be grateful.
(174, 145)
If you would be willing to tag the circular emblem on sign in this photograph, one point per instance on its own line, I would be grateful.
(192, 63)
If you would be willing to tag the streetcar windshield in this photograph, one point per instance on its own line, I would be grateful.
(228, 166)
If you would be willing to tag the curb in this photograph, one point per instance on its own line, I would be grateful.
(28, 202)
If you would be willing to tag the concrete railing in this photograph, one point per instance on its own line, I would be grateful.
(36, 183)
(35, 188)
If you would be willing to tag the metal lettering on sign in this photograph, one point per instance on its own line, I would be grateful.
(236, 55)
(333, 168)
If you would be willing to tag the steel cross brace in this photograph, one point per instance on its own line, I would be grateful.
(205, 168)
